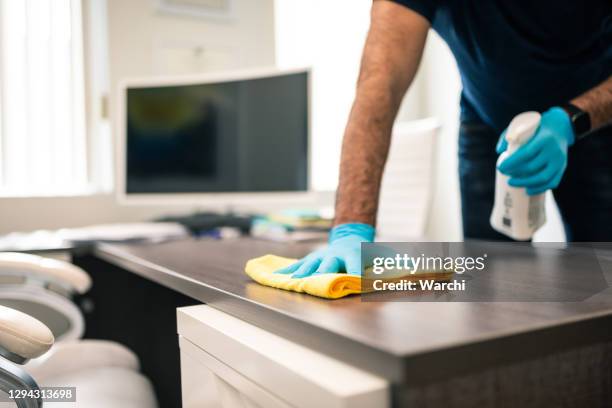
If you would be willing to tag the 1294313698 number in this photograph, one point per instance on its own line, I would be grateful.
(45, 393)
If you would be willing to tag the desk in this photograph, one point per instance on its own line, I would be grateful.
(456, 354)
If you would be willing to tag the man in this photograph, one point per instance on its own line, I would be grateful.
(550, 56)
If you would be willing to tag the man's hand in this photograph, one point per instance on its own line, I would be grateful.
(539, 164)
(343, 254)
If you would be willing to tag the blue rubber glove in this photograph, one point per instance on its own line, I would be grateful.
(343, 254)
(539, 164)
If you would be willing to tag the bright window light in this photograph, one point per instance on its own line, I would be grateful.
(42, 102)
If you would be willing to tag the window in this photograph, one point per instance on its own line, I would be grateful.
(42, 98)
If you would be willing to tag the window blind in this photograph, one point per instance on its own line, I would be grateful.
(42, 112)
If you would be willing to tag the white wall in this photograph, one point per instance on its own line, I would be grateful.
(145, 41)
(311, 33)
(328, 36)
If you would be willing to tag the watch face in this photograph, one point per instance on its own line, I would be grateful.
(581, 122)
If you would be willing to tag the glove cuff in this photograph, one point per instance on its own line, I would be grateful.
(563, 118)
(363, 231)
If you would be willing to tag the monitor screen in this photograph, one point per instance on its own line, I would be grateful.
(237, 136)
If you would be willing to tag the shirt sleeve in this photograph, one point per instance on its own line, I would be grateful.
(426, 8)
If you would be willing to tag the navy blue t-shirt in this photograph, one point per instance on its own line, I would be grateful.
(519, 55)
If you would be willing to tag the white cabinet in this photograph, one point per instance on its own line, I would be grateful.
(208, 383)
(228, 363)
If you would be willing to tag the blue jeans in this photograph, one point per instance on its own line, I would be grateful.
(584, 196)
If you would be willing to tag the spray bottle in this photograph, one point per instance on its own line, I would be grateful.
(515, 213)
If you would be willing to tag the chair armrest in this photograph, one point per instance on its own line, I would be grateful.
(45, 269)
(22, 337)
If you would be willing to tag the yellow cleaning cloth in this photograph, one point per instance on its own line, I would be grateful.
(328, 285)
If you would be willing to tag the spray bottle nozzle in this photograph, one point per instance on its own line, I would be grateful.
(522, 127)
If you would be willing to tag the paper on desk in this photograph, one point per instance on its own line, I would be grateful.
(63, 238)
(149, 231)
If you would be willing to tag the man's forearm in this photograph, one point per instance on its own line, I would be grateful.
(364, 151)
(390, 59)
(598, 103)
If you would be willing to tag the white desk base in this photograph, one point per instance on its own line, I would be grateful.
(228, 363)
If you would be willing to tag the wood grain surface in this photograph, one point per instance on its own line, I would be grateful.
(399, 340)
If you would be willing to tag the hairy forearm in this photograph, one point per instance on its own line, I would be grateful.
(390, 59)
(364, 151)
(598, 103)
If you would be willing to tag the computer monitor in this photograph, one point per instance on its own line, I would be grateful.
(243, 132)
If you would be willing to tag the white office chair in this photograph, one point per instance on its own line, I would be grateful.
(408, 182)
(104, 373)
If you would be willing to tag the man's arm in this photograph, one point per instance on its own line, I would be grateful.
(598, 103)
(390, 60)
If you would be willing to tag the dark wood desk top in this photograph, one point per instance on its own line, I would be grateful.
(403, 341)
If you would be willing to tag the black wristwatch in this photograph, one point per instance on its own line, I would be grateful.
(581, 121)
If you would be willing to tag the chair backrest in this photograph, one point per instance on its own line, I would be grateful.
(408, 181)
